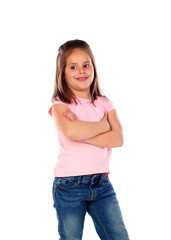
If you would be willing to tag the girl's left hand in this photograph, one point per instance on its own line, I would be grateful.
(70, 115)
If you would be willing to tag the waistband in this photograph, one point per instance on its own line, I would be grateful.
(86, 178)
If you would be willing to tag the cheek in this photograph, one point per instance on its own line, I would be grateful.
(91, 71)
(67, 75)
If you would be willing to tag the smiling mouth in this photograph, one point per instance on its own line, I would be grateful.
(82, 79)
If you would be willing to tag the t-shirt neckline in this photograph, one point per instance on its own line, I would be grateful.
(83, 99)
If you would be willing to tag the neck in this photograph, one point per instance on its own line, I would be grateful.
(83, 95)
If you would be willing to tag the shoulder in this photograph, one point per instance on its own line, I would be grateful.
(57, 104)
(58, 101)
(107, 103)
(102, 99)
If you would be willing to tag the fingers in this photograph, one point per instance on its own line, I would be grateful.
(105, 115)
(70, 115)
(66, 114)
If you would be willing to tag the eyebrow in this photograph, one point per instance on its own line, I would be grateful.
(76, 63)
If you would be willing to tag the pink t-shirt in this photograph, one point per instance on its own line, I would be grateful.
(77, 157)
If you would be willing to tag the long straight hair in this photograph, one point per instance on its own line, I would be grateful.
(61, 89)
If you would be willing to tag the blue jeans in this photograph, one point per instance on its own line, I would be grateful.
(74, 196)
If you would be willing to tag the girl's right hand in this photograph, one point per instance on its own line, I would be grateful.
(105, 120)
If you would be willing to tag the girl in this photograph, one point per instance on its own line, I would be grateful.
(88, 128)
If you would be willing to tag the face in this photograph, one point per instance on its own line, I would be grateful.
(79, 72)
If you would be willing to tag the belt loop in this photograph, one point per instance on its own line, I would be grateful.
(78, 180)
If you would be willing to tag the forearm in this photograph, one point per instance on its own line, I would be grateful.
(82, 130)
(109, 139)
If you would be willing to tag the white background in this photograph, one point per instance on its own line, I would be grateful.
(131, 43)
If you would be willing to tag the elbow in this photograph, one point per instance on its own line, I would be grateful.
(120, 142)
(117, 139)
(69, 133)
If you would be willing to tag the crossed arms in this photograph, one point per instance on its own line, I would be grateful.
(104, 133)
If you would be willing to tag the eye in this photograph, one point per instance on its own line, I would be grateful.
(87, 65)
(73, 67)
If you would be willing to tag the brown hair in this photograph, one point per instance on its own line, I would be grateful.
(61, 90)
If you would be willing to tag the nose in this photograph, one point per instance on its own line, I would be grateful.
(81, 70)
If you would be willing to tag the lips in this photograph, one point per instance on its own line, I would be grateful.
(82, 79)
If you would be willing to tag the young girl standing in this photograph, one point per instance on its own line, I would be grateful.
(88, 128)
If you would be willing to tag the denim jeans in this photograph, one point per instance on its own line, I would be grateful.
(74, 196)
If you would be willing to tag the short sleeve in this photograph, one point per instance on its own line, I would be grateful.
(55, 102)
(108, 105)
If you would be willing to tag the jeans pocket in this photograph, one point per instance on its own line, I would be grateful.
(64, 182)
